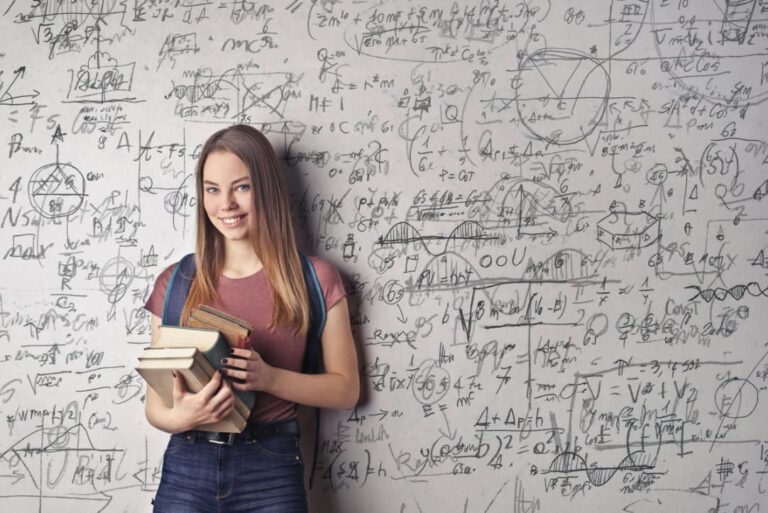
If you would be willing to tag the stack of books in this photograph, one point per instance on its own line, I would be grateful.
(196, 352)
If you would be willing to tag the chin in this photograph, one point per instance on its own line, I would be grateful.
(235, 236)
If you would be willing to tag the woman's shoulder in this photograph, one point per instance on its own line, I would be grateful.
(162, 278)
(165, 274)
(156, 298)
(326, 271)
(329, 278)
(321, 264)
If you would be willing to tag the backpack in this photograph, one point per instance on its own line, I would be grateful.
(176, 295)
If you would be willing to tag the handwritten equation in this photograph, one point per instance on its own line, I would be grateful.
(551, 218)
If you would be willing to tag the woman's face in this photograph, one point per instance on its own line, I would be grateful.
(228, 195)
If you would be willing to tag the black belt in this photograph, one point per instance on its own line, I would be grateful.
(251, 432)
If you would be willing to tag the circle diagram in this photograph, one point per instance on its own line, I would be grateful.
(56, 190)
(736, 398)
(562, 95)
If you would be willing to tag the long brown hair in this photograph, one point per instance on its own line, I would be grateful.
(271, 233)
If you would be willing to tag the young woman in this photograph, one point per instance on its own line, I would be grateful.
(248, 266)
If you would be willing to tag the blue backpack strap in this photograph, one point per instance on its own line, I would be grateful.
(177, 290)
(313, 355)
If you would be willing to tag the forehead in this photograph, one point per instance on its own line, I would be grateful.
(223, 166)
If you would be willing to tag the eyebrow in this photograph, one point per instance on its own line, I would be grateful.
(246, 177)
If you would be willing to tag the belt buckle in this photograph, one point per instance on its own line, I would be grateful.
(229, 440)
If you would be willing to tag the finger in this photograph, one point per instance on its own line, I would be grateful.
(242, 353)
(212, 387)
(237, 374)
(221, 398)
(224, 410)
(243, 387)
(221, 395)
(239, 363)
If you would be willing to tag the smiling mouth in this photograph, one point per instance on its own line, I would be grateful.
(229, 221)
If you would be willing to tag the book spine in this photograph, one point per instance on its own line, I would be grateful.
(217, 313)
(235, 339)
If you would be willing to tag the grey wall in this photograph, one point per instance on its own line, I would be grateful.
(550, 216)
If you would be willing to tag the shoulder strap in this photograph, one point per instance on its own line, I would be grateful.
(177, 290)
(313, 356)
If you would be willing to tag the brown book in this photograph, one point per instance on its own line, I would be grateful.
(156, 366)
(225, 316)
(235, 331)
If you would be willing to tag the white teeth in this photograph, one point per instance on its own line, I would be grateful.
(230, 220)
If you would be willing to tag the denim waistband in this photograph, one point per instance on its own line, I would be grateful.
(254, 431)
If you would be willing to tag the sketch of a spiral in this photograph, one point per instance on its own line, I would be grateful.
(736, 292)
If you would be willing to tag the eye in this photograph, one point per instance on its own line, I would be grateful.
(244, 187)
(211, 190)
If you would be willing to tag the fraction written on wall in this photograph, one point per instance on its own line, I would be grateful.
(550, 217)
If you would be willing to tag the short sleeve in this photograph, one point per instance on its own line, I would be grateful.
(330, 282)
(157, 297)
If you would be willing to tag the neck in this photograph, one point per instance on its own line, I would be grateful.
(240, 260)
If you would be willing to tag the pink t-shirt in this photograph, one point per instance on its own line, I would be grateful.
(248, 298)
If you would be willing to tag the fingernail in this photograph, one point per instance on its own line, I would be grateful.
(231, 351)
(223, 361)
(174, 373)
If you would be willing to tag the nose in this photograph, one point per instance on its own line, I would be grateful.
(230, 202)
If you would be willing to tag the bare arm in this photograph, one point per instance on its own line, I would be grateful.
(211, 404)
(337, 387)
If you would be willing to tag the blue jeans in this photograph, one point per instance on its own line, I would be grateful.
(264, 475)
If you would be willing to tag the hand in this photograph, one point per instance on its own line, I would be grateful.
(247, 366)
(212, 403)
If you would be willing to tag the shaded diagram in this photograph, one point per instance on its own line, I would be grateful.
(404, 240)
(737, 16)
(570, 462)
(56, 190)
(405, 233)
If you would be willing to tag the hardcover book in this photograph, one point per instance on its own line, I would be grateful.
(210, 343)
(235, 330)
(156, 366)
